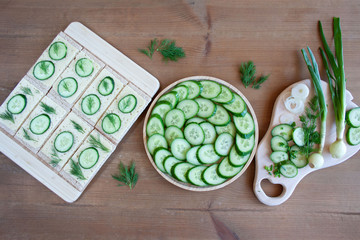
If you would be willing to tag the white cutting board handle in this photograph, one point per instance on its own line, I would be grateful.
(264, 150)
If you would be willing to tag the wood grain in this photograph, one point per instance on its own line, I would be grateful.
(216, 36)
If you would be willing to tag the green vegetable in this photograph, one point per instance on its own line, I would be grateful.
(77, 126)
(76, 170)
(260, 81)
(27, 136)
(166, 47)
(316, 159)
(247, 72)
(96, 143)
(7, 116)
(337, 83)
(27, 91)
(127, 175)
(48, 109)
(55, 159)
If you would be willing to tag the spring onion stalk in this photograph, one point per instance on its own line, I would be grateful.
(337, 83)
(316, 160)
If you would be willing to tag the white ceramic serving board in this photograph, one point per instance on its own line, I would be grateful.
(264, 149)
(111, 57)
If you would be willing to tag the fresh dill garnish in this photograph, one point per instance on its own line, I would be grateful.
(90, 103)
(81, 65)
(27, 91)
(166, 47)
(259, 81)
(7, 116)
(76, 170)
(105, 84)
(55, 159)
(56, 48)
(48, 109)
(308, 124)
(77, 126)
(273, 170)
(127, 175)
(65, 85)
(44, 66)
(112, 119)
(247, 72)
(27, 136)
(96, 143)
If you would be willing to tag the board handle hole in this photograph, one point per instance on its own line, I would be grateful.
(270, 189)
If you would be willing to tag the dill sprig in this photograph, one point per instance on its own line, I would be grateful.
(7, 116)
(27, 91)
(27, 136)
(81, 65)
(247, 72)
(76, 170)
(259, 81)
(44, 66)
(96, 143)
(166, 47)
(111, 119)
(65, 85)
(48, 109)
(55, 159)
(56, 48)
(77, 126)
(90, 103)
(127, 175)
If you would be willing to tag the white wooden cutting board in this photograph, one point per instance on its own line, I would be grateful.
(111, 57)
(264, 149)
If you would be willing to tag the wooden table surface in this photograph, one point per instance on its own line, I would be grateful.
(217, 36)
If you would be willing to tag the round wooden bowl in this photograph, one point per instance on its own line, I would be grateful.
(186, 185)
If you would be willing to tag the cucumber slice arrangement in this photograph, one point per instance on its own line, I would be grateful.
(43, 70)
(88, 157)
(90, 104)
(17, 104)
(200, 133)
(127, 104)
(64, 141)
(111, 123)
(57, 51)
(67, 87)
(40, 124)
(106, 86)
(84, 67)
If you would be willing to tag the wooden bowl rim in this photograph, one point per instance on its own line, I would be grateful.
(185, 185)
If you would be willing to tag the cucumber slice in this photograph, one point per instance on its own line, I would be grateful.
(237, 160)
(226, 170)
(161, 108)
(221, 117)
(111, 123)
(209, 131)
(180, 170)
(64, 141)
(210, 90)
(211, 176)
(244, 146)
(106, 86)
(40, 124)
(44, 70)
(194, 176)
(84, 67)
(299, 136)
(237, 107)
(206, 107)
(207, 155)
(353, 136)
(57, 51)
(155, 125)
(179, 148)
(223, 144)
(17, 104)
(189, 107)
(288, 170)
(170, 97)
(195, 88)
(182, 91)
(156, 141)
(194, 134)
(90, 104)
(283, 130)
(278, 156)
(245, 125)
(159, 157)
(229, 128)
(195, 120)
(278, 143)
(172, 133)
(191, 156)
(175, 117)
(169, 162)
(67, 87)
(225, 96)
(353, 117)
(297, 158)
(127, 104)
(88, 157)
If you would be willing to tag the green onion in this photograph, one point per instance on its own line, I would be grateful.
(337, 83)
(316, 159)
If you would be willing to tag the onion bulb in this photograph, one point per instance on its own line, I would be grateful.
(338, 149)
(316, 160)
